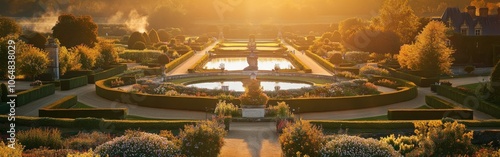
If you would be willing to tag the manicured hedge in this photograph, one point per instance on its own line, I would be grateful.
(407, 92)
(420, 81)
(61, 109)
(469, 100)
(402, 124)
(329, 66)
(299, 63)
(428, 114)
(438, 103)
(94, 123)
(67, 84)
(72, 74)
(107, 73)
(63, 103)
(106, 113)
(35, 93)
(173, 64)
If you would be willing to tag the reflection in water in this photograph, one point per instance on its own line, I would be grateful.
(239, 63)
(238, 85)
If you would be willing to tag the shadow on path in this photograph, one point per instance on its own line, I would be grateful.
(251, 139)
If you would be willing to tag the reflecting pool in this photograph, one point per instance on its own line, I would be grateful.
(239, 63)
(238, 85)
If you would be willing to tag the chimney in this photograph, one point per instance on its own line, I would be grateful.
(472, 11)
(483, 12)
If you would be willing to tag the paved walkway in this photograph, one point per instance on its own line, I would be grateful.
(315, 67)
(183, 68)
(251, 139)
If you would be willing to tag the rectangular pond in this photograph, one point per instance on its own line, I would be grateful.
(239, 63)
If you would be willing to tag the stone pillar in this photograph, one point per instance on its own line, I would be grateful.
(52, 47)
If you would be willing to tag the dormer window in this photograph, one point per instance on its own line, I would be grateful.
(464, 29)
(477, 30)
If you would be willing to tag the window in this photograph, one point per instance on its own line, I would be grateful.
(478, 32)
(463, 31)
(448, 42)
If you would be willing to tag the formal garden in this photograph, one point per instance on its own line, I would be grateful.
(121, 93)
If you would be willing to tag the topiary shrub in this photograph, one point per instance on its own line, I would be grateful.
(205, 139)
(37, 137)
(226, 109)
(344, 145)
(336, 58)
(469, 69)
(135, 143)
(253, 95)
(357, 56)
(135, 37)
(139, 45)
(301, 137)
(85, 141)
(442, 139)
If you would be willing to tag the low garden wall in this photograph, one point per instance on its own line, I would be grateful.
(408, 92)
(429, 114)
(95, 123)
(72, 83)
(468, 100)
(62, 109)
(35, 93)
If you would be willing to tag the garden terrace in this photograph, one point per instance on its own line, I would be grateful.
(407, 91)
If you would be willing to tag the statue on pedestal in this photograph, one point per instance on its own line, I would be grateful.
(252, 57)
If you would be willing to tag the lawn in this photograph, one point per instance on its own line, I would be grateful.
(471, 87)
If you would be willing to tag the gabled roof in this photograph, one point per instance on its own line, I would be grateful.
(490, 24)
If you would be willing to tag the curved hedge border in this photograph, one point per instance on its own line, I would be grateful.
(94, 123)
(403, 124)
(329, 66)
(420, 81)
(61, 109)
(408, 92)
(198, 64)
(107, 73)
(35, 93)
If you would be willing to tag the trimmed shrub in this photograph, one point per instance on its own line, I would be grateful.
(371, 70)
(140, 55)
(63, 103)
(344, 145)
(37, 137)
(301, 137)
(357, 56)
(336, 58)
(45, 152)
(469, 69)
(253, 95)
(135, 143)
(205, 139)
(164, 35)
(134, 38)
(153, 36)
(442, 139)
(139, 45)
(146, 37)
(438, 103)
(85, 141)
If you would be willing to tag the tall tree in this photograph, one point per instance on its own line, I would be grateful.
(352, 32)
(9, 27)
(32, 61)
(68, 61)
(38, 40)
(397, 16)
(72, 31)
(429, 54)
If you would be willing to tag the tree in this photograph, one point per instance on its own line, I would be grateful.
(32, 61)
(384, 42)
(108, 55)
(68, 61)
(350, 31)
(253, 96)
(38, 40)
(397, 16)
(9, 27)
(336, 37)
(72, 31)
(86, 55)
(429, 54)
(495, 82)
(153, 36)
(164, 35)
(135, 37)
